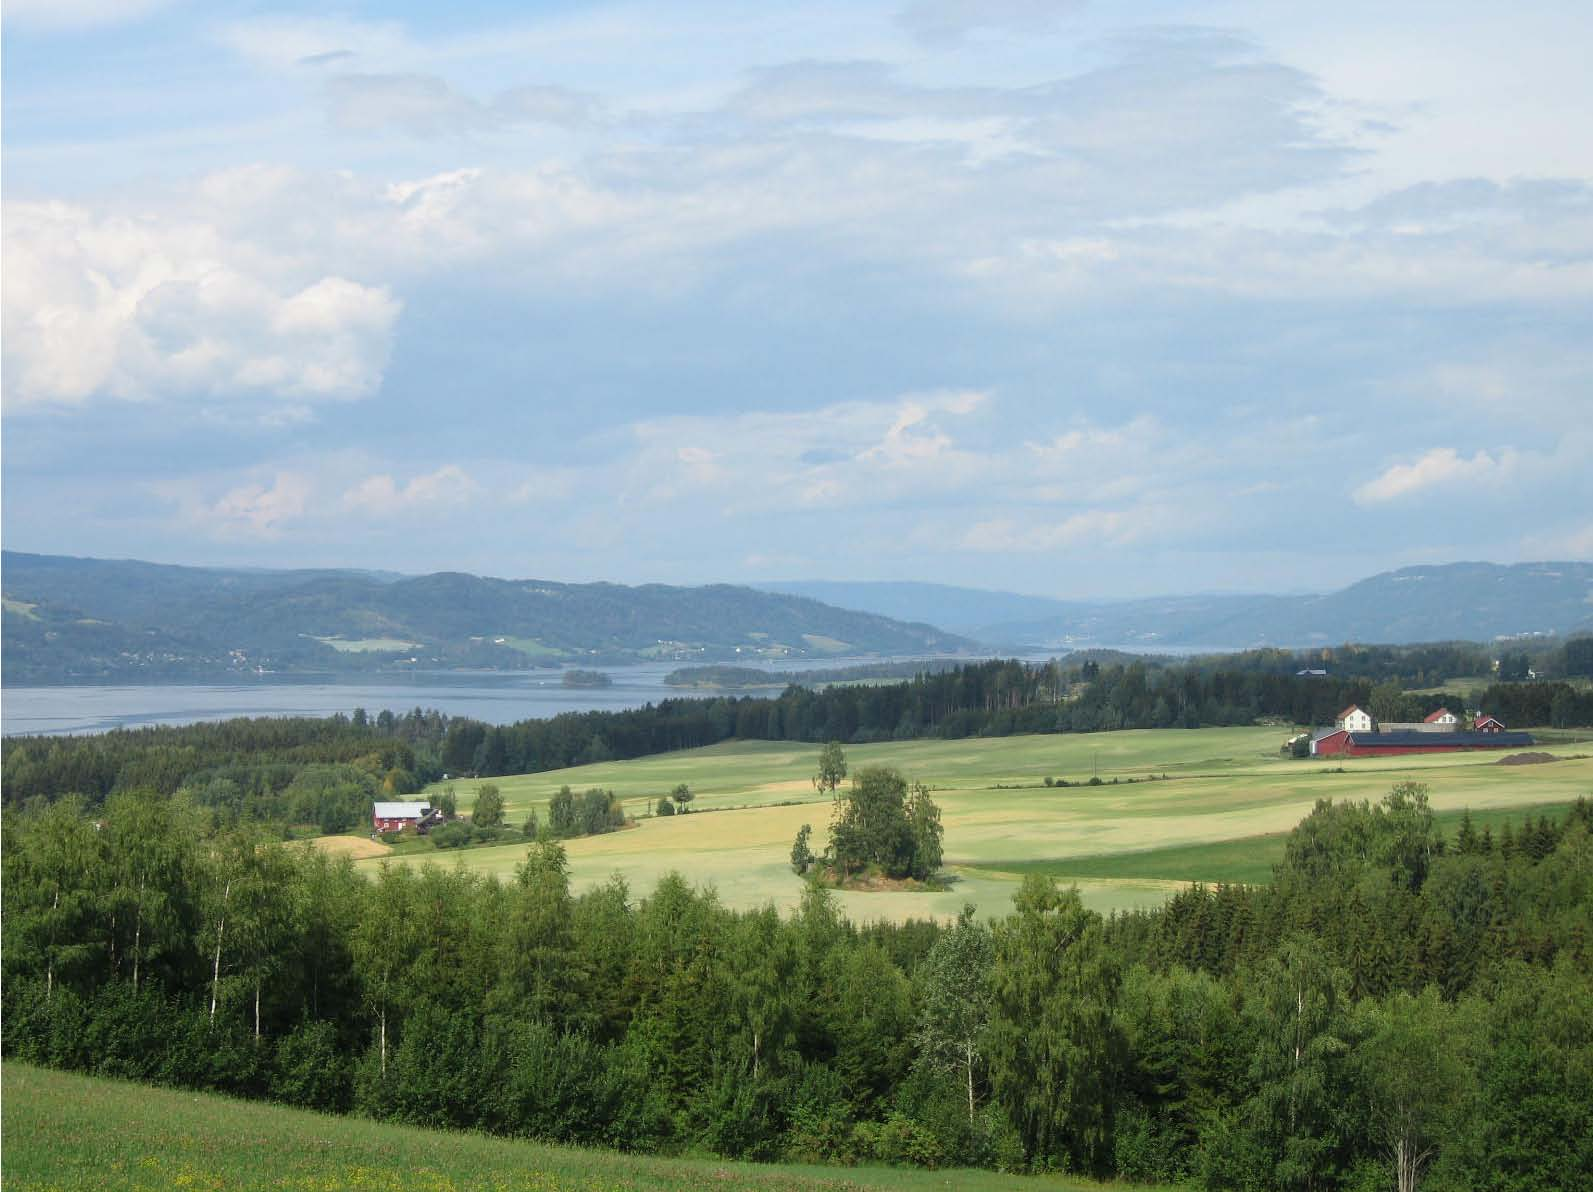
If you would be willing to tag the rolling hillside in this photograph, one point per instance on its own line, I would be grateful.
(81, 620)
(1458, 601)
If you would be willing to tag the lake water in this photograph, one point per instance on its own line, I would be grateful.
(489, 697)
(493, 698)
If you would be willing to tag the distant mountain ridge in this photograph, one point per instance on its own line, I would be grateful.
(83, 620)
(1456, 601)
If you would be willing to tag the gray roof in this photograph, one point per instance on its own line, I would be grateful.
(400, 810)
(1444, 740)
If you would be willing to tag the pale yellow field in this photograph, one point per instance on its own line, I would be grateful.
(358, 847)
(1221, 785)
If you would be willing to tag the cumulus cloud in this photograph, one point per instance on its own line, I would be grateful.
(145, 308)
(383, 496)
(260, 510)
(1439, 468)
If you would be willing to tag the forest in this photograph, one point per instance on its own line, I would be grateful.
(1394, 1007)
(325, 771)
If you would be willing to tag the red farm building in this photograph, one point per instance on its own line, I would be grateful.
(1339, 743)
(396, 817)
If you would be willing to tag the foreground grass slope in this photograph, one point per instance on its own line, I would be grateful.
(1188, 805)
(66, 1132)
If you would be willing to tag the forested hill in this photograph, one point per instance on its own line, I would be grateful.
(1454, 602)
(82, 620)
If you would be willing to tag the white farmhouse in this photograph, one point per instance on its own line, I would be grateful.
(1354, 719)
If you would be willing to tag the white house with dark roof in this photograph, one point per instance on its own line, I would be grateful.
(1354, 719)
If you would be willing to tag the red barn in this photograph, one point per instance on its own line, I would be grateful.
(395, 817)
(1343, 743)
(1488, 724)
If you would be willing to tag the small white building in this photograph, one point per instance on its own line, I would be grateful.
(1354, 719)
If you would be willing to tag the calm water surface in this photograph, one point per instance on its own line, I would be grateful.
(493, 698)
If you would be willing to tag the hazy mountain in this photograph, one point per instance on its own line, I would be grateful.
(1467, 601)
(81, 619)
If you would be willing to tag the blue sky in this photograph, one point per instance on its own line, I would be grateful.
(1079, 299)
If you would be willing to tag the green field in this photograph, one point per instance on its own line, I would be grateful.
(1206, 804)
(65, 1132)
(367, 645)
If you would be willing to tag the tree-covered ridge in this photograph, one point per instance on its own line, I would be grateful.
(1394, 1005)
(78, 620)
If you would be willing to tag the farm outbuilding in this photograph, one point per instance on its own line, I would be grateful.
(1347, 744)
(395, 817)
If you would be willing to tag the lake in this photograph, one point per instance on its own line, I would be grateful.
(491, 697)
(495, 698)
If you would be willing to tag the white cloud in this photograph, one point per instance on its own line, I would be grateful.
(262, 510)
(147, 308)
(1096, 527)
(382, 496)
(1439, 468)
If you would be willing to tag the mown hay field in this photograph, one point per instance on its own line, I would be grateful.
(1176, 790)
(361, 848)
(65, 1132)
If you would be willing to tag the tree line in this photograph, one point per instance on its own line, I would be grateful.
(255, 768)
(1396, 1006)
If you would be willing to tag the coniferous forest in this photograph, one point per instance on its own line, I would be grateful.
(1394, 1006)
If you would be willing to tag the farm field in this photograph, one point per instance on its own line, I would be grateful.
(147, 1138)
(1204, 804)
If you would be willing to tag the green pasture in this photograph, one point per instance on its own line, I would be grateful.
(1247, 859)
(1202, 804)
(367, 645)
(531, 647)
(65, 1132)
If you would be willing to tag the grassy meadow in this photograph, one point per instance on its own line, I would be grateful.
(65, 1132)
(1204, 804)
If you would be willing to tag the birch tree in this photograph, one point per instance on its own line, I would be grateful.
(955, 997)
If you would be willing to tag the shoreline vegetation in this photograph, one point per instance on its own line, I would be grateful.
(751, 678)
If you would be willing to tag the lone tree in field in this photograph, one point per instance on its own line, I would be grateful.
(832, 767)
(802, 857)
(488, 811)
(682, 796)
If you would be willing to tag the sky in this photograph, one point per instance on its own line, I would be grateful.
(1069, 298)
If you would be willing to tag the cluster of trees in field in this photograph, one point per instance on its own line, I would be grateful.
(266, 769)
(592, 813)
(881, 826)
(1393, 1005)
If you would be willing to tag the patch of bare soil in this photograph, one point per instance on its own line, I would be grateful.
(1526, 759)
(874, 882)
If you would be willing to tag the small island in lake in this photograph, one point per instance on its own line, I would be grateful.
(576, 677)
